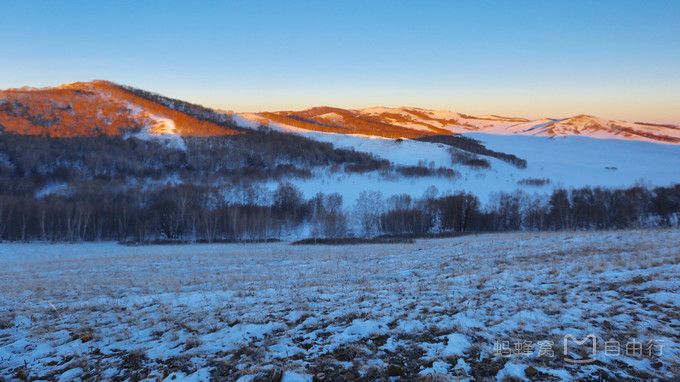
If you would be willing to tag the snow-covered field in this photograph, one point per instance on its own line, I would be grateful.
(484, 307)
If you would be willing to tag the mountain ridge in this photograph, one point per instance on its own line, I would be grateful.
(407, 122)
(105, 108)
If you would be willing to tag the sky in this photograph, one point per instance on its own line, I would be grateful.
(613, 59)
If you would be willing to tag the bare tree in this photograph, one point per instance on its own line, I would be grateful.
(368, 208)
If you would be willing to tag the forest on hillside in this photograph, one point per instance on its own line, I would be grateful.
(135, 188)
(132, 190)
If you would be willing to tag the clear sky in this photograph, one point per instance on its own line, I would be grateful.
(614, 59)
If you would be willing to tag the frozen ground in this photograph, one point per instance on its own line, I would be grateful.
(481, 308)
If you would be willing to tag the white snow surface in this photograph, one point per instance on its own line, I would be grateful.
(164, 130)
(566, 161)
(435, 307)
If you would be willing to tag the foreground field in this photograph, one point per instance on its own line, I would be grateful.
(486, 307)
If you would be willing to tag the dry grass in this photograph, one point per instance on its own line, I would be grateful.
(191, 301)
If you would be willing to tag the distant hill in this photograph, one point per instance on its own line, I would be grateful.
(105, 108)
(409, 122)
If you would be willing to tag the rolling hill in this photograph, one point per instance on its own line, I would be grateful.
(409, 122)
(501, 153)
(102, 161)
(97, 108)
(105, 108)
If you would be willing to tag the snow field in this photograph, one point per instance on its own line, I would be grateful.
(432, 310)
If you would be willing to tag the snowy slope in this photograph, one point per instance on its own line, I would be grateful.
(572, 161)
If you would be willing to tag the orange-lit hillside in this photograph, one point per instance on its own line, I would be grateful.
(65, 113)
(94, 108)
(336, 120)
(411, 122)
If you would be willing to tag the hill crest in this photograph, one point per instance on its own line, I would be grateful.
(104, 108)
(95, 108)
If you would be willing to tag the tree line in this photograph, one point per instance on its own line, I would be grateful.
(587, 208)
(199, 213)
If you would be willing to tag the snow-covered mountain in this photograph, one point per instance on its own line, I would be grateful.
(590, 152)
(320, 156)
(102, 107)
(409, 122)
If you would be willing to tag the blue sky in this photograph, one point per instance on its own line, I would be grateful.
(615, 59)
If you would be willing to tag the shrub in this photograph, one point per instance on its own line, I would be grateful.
(534, 182)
